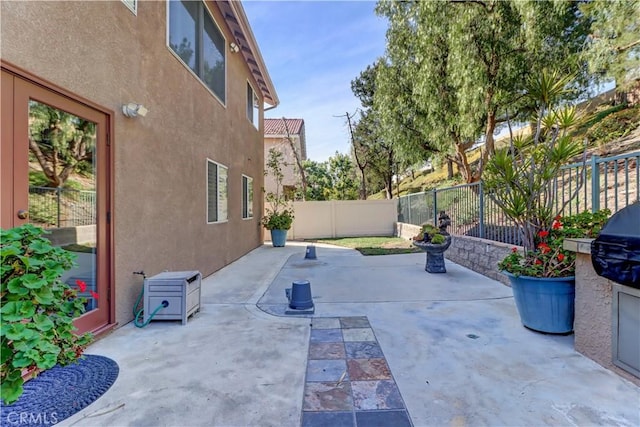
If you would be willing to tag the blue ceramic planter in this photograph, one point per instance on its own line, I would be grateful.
(545, 304)
(278, 237)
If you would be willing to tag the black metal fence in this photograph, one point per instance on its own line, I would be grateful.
(616, 181)
(61, 207)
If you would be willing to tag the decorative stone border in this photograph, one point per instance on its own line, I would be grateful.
(348, 381)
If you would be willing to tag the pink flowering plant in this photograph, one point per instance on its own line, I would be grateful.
(549, 258)
(38, 309)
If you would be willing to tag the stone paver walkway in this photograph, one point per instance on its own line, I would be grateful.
(348, 381)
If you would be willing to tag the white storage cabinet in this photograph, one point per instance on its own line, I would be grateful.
(180, 289)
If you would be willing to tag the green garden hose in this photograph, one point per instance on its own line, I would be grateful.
(137, 314)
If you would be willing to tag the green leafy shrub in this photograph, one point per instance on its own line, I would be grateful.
(431, 234)
(37, 309)
(281, 220)
(614, 126)
(438, 239)
(279, 213)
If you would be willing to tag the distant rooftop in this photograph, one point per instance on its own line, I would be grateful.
(276, 126)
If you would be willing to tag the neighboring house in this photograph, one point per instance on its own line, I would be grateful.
(173, 183)
(275, 136)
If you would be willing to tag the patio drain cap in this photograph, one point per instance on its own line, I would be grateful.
(311, 252)
(299, 296)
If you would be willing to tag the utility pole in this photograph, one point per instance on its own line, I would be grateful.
(361, 164)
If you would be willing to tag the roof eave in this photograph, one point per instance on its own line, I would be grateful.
(249, 48)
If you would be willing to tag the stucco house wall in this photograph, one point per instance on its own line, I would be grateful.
(275, 136)
(289, 169)
(102, 52)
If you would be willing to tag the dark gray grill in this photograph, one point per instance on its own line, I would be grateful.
(615, 253)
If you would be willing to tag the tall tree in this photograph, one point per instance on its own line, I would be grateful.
(318, 180)
(382, 149)
(343, 177)
(454, 69)
(334, 179)
(401, 120)
(360, 153)
(381, 155)
(613, 49)
(59, 141)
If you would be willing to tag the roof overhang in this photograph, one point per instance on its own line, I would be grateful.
(238, 23)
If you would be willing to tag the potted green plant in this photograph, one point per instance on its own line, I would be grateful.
(37, 309)
(429, 233)
(279, 212)
(520, 180)
(434, 241)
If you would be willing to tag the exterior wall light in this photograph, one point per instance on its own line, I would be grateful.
(134, 110)
(234, 48)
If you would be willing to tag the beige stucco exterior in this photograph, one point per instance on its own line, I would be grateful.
(289, 168)
(593, 310)
(102, 52)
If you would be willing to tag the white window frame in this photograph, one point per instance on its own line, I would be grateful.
(222, 209)
(247, 197)
(132, 5)
(253, 110)
(226, 53)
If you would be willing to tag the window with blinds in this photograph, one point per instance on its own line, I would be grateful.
(217, 192)
(253, 107)
(247, 197)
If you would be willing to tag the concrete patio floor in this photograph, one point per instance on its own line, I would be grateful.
(453, 342)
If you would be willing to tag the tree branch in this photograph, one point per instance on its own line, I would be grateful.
(303, 177)
(629, 46)
(46, 167)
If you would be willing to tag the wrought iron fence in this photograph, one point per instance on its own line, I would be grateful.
(61, 207)
(616, 181)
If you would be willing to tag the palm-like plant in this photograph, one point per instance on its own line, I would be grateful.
(521, 178)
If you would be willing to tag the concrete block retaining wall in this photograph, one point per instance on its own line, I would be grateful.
(72, 235)
(480, 255)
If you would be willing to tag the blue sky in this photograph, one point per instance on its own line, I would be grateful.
(313, 49)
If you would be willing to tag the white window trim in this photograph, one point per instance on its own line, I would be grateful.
(245, 197)
(132, 5)
(255, 94)
(226, 57)
(206, 208)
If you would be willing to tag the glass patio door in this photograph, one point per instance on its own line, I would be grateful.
(57, 152)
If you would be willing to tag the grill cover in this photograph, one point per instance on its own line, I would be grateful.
(615, 253)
